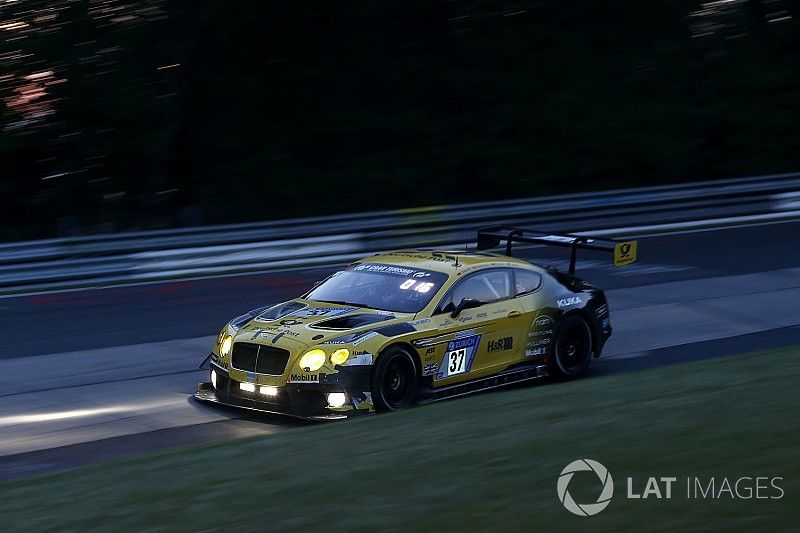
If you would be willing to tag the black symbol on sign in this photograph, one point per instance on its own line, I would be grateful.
(625, 249)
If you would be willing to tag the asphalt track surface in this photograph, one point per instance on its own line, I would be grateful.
(93, 374)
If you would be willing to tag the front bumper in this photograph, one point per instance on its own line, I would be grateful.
(299, 400)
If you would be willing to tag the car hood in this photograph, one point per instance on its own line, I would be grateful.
(310, 323)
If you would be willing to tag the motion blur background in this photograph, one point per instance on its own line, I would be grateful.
(122, 115)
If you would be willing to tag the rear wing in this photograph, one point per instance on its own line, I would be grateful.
(624, 251)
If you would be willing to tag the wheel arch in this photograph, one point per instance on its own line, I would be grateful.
(407, 346)
(586, 315)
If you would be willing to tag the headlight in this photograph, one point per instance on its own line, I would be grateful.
(340, 356)
(225, 347)
(313, 360)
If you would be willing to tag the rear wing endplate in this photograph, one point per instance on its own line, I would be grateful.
(624, 251)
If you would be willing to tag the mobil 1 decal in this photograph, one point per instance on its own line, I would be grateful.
(540, 336)
(459, 356)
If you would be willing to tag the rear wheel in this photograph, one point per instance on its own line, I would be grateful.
(395, 380)
(572, 349)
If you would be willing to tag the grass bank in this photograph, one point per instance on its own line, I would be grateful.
(484, 462)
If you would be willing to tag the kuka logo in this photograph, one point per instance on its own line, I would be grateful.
(585, 509)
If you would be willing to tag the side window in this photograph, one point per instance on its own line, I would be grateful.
(485, 287)
(526, 281)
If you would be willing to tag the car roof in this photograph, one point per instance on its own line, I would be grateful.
(447, 261)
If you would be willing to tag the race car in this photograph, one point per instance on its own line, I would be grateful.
(415, 326)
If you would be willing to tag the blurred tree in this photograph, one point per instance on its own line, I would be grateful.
(136, 114)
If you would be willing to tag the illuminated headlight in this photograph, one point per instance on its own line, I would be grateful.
(340, 356)
(268, 391)
(247, 387)
(214, 379)
(225, 347)
(313, 360)
(336, 399)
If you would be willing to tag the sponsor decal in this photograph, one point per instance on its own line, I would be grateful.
(269, 333)
(430, 350)
(539, 342)
(364, 338)
(303, 378)
(429, 369)
(561, 238)
(251, 377)
(309, 312)
(481, 315)
(459, 356)
(253, 327)
(540, 336)
(625, 253)
(500, 345)
(391, 269)
(441, 339)
(568, 301)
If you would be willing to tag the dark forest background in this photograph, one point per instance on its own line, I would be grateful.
(128, 115)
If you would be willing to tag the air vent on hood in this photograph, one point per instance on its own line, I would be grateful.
(352, 321)
(280, 311)
(392, 330)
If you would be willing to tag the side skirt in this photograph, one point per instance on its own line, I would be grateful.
(507, 377)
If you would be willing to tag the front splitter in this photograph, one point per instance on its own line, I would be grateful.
(205, 393)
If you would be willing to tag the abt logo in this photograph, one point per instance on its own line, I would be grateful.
(585, 509)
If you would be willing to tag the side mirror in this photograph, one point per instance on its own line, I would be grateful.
(466, 303)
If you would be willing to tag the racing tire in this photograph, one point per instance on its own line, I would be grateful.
(572, 347)
(395, 380)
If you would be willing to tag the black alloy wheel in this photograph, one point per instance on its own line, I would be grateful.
(395, 380)
(572, 347)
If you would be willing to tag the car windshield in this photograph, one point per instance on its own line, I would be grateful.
(378, 286)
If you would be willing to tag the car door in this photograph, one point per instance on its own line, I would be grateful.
(481, 340)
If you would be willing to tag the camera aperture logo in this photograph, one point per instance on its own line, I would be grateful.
(585, 509)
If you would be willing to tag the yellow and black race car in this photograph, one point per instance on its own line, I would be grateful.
(414, 326)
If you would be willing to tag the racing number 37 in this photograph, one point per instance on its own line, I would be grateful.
(457, 360)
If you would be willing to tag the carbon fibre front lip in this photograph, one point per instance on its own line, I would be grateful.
(205, 393)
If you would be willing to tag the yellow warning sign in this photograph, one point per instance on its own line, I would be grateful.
(624, 253)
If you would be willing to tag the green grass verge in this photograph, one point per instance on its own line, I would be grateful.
(488, 461)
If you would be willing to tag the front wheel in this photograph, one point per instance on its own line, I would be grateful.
(395, 380)
(572, 349)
